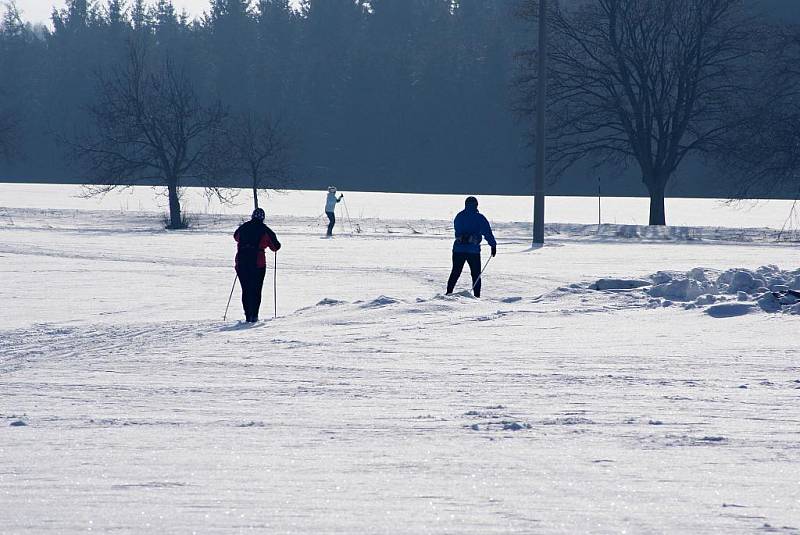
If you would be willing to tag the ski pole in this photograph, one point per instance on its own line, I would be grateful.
(348, 215)
(275, 287)
(224, 317)
(481, 273)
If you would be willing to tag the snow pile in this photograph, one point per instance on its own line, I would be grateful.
(618, 284)
(734, 292)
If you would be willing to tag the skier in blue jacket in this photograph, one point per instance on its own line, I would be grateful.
(470, 228)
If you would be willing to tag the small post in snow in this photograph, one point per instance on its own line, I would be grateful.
(599, 196)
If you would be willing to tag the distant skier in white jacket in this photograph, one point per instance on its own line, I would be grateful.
(330, 208)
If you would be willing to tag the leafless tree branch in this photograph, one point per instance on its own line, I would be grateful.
(641, 81)
(149, 127)
(763, 157)
(259, 148)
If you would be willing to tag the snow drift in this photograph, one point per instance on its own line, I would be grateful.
(767, 288)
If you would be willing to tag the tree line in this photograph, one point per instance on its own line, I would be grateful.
(380, 86)
(398, 89)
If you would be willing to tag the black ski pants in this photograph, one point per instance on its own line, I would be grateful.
(252, 280)
(331, 222)
(474, 261)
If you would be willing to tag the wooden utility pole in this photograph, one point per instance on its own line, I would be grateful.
(541, 101)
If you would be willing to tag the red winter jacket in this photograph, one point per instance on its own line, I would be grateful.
(254, 237)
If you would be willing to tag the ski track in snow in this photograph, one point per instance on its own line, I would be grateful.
(373, 403)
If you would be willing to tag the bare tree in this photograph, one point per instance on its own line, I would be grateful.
(149, 127)
(257, 147)
(764, 156)
(644, 81)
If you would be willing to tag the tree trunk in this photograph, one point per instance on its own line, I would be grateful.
(656, 188)
(174, 207)
(255, 197)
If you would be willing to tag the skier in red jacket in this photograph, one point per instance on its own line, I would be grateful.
(253, 237)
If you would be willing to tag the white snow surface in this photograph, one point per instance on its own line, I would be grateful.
(373, 403)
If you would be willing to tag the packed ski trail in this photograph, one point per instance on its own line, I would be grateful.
(373, 403)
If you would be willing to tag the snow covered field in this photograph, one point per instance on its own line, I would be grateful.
(373, 404)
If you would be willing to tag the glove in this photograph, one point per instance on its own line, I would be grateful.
(494, 250)
(341, 196)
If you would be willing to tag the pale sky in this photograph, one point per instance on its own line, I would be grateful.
(39, 10)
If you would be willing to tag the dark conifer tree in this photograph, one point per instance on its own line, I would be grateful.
(229, 29)
(275, 62)
(329, 36)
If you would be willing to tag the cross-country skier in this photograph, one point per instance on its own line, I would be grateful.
(253, 237)
(470, 227)
(330, 208)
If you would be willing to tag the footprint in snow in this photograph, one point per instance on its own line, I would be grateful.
(455, 295)
(240, 326)
(569, 420)
(252, 424)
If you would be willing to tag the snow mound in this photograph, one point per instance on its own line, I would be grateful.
(381, 301)
(619, 284)
(768, 289)
(329, 302)
(769, 303)
(515, 426)
(681, 289)
(794, 309)
(730, 310)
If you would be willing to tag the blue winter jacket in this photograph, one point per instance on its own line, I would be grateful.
(471, 226)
